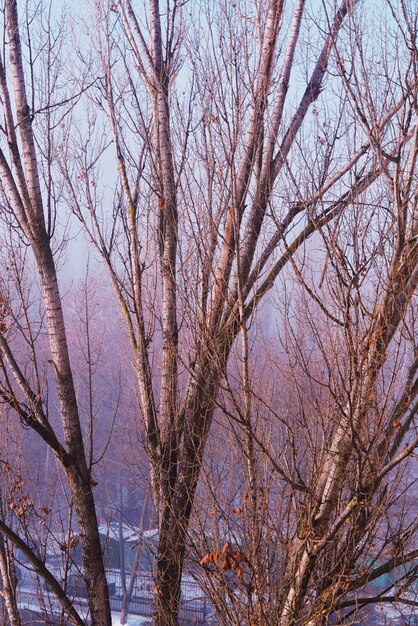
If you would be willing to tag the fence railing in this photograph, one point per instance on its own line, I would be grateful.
(193, 604)
(194, 607)
(195, 610)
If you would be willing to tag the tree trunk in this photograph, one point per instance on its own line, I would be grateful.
(169, 572)
(127, 594)
(176, 514)
(9, 586)
(28, 207)
(94, 573)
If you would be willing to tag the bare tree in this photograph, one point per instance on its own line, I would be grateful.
(226, 179)
(28, 211)
(210, 208)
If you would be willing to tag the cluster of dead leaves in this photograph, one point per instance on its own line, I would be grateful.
(45, 511)
(239, 509)
(19, 502)
(226, 559)
(22, 506)
(5, 468)
(68, 545)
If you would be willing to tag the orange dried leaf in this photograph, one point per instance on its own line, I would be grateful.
(204, 559)
(226, 565)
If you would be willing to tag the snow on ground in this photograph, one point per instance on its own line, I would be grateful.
(134, 620)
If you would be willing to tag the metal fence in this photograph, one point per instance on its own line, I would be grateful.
(194, 607)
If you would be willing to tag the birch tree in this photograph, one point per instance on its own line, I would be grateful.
(28, 212)
(216, 146)
(207, 120)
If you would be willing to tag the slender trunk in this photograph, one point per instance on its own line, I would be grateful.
(122, 562)
(127, 594)
(76, 465)
(9, 581)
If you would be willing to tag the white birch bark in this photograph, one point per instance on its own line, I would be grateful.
(29, 211)
(9, 587)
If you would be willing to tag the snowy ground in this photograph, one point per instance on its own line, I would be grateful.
(31, 605)
(135, 620)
